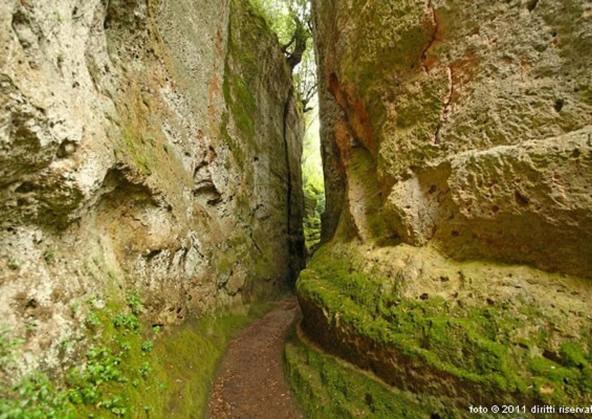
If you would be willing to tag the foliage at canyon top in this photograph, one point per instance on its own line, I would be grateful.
(291, 20)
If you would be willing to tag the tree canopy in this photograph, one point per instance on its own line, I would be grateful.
(291, 21)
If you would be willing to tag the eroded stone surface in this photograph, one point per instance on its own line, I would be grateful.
(458, 141)
(525, 203)
(144, 146)
(477, 118)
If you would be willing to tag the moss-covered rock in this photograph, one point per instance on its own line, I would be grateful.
(472, 332)
(329, 388)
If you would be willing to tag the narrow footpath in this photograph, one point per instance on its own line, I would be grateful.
(250, 381)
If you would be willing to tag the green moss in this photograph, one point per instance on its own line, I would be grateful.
(246, 29)
(573, 355)
(242, 104)
(549, 369)
(131, 369)
(136, 151)
(8, 347)
(143, 146)
(230, 141)
(362, 172)
(188, 359)
(475, 345)
(238, 247)
(328, 388)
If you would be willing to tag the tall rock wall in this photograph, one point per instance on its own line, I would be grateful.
(148, 147)
(458, 157)
(474, 118)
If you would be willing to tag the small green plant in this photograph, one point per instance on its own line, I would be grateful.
(147, 346)
(102, 365)
(8, 347)
(117, 360)
(135, 304)
(92, 320)
(123, 368)
(124, 346)
(115, 405)
(65, 344)
(126, 321)
(145, 370)
(36, 397)
(30, 325)
(85, 382)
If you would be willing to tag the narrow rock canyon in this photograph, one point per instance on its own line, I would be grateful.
(157, 201)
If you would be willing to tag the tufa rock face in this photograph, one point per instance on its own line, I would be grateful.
(458, 162)
(522, 203)
(475, 120)
(144, 146)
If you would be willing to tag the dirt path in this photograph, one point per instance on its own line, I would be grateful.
(250, 381)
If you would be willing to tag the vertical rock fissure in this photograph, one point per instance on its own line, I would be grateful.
(290, 232)
(434, 37)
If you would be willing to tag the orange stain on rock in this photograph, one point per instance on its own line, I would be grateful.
(463, 72)
(356, 113)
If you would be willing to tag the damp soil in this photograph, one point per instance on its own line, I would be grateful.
(250, 382)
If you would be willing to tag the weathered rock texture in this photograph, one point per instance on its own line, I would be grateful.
(475, 119)
(463, 128)
(149, 146)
